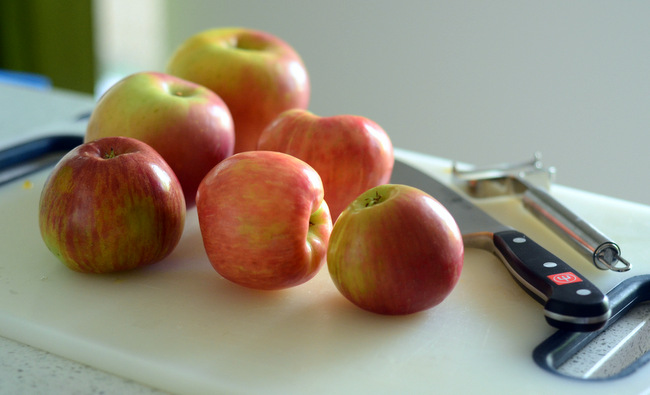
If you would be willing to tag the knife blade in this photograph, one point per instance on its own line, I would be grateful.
(571, 302)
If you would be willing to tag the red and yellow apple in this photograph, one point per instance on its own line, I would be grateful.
(188, 124)
(257, 74)
(395, 250)
(350, 153)
(263, 220)
(110, 205)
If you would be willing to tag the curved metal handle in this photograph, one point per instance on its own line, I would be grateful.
(581, 235)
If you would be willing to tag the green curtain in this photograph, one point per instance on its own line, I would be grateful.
(53, 38)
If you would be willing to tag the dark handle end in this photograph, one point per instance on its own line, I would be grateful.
(571, 302)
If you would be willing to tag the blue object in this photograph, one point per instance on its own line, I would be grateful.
(31, 80)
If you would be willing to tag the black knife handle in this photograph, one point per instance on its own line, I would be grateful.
(25, 158)
(571, 302)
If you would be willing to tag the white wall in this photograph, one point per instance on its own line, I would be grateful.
(476, 81)
(129, 37)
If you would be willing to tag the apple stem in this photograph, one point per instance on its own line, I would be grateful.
(371, 201)
(110, 155)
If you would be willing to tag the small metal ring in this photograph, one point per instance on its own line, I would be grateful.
(607, 256)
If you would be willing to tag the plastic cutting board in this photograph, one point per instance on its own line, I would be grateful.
(178, 326)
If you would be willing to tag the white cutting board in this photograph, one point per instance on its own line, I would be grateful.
(180, 327)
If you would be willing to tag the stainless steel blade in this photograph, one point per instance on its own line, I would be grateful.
(471, 219)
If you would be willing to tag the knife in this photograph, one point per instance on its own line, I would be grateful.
(28, 157)
(571, 302)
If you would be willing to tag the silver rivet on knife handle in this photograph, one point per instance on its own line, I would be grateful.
(580, 234)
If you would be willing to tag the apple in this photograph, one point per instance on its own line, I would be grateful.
(110, 205)
(188, 124)
(350, 153)
(395, 250)
(263, 220)
(257, 74)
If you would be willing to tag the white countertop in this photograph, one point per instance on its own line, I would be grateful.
(26, 370)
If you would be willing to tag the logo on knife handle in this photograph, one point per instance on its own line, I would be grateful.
(565, 278)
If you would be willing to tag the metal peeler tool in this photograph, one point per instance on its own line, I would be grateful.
(532, 180)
